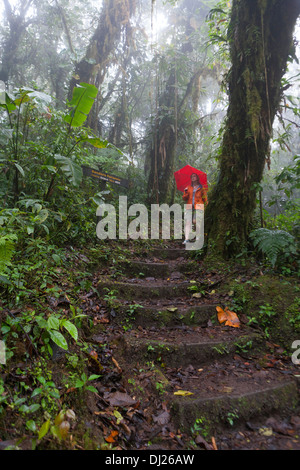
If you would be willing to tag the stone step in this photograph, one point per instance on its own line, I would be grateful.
(161, 269)
(234, 405)
(168, 253)
(132, 289)
(163, 314)
(184, 348)
(181, 347)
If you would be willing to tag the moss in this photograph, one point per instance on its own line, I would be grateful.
(263, 5)
(254, 103)
(288, 328)
(216, 412)
(214, 262)
(165, 317)
(292, 314)
(270, 301)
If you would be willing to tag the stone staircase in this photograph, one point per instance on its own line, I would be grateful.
(211, 374)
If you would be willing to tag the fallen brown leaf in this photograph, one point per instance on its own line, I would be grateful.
(120, 399)
(230, 318)
(112, 436)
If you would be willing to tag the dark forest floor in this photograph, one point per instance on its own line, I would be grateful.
(147, 319)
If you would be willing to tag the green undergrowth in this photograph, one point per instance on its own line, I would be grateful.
(41, 321)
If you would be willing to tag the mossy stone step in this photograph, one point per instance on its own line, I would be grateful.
(168, 253)
(211, 414)
(143, 290)
(141, 268)
(186, 346)
(165, 315)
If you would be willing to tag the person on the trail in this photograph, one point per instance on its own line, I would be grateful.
(195, 196)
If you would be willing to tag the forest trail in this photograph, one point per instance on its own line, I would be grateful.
(193, 377)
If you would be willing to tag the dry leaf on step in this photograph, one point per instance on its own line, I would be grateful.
(230, 318)
(183, 393)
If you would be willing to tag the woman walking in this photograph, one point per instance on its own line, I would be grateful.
(195, 197)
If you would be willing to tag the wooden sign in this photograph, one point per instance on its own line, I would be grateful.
(98, 174)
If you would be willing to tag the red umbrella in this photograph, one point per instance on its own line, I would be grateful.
(183, 177)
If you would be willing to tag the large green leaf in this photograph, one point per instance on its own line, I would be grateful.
(96, 142)
(59, 339)
(44, 429)
(274, 242)
(8, 102)
(41, 100)
(110, 149)
(70, 328)
(72, 170)
(82, 101)
(24, 95)
(38, 95)
(53, 323)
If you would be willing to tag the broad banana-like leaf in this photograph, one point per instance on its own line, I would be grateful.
(8, 102)
(72, 170)
(96, 142)
(82, 101)
(42, 100)
(38, 95)
(102, 144)
(24, 95)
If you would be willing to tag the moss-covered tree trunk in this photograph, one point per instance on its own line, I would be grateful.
(171, 119)
(261, 40)
(17, 28)
(162, 152)
(114, 17)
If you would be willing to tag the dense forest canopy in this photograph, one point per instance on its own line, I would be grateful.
(162, 73)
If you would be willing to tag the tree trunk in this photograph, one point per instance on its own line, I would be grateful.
(162, 152)
(261, 39)
(171, 121)
(92, 68)
(17, 28)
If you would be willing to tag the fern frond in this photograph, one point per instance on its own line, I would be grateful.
(273, 242)
(7, 249)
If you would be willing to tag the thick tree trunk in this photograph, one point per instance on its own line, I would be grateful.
(261, 39)
(161, 157)
(171, 118)
(114, 16)
(92, 68)
(17, 28)
(162, 153)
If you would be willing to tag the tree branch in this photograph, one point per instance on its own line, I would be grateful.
(65, 25)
